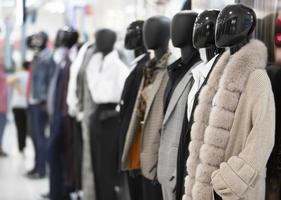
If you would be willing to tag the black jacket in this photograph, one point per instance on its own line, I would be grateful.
(274, 163)
(183, 152)
(127, 103)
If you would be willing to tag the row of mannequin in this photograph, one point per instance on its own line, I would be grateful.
(204, 141)
(198, 128)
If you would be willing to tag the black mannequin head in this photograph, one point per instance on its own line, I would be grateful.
(204, 33)
(37, 41)
(105, 40)
(156, 33)
(234, 27)
(134, 36)
(70, 37)
(204, 29)
(66, 37)
(59, 38)
(181, 33)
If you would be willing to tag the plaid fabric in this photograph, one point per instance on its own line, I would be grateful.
(3, 93)
(150, 72)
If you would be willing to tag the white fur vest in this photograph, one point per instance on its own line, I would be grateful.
(233, 131)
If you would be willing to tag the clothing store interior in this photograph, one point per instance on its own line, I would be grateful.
(140, 100)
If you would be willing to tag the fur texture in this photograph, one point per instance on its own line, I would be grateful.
(214, 117)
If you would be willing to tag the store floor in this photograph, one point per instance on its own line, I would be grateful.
(13, 184)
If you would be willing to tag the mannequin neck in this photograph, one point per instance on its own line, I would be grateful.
(140, 51)
(211, 52)
(105, 53)
(237, 47)
(186, 53)
(160, 52)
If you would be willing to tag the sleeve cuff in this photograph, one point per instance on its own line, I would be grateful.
(234, 178)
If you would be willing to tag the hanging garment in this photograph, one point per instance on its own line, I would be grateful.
(104, 140)
(176, 72)
(185, 139)
(228, 141)
(180, 79)
(146, 120)
(199, 74)
(128, 99)
(143, 138)
(273, 178)
(106, 78)
(65, 145)
(72, 98)
(85, 108)
(56, 140)
(43, 67)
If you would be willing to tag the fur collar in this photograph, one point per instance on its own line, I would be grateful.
(214, 116)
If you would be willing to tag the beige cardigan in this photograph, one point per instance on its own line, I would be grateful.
(233, 133)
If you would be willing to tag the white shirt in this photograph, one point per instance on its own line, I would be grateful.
(199, 74)
(106, 77)
(134, 63)
(19, 99)
(72, 99)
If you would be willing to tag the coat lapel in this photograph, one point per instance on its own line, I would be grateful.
(177, 94)
(131, 131)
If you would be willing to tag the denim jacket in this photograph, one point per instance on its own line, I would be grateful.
(43, 67)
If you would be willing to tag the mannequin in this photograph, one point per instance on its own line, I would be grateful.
(63, 179)
(226, 155)
(81, 106)
(42, 71)
(175, 101)
(71, 37)
(238, 21)
(204, 40)
(134, 38)
(140, 152)
(133, 41)
(204, 33)
(181, 33)
(38, 41)
(106, 75)
(105, 40)
(156, 33)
